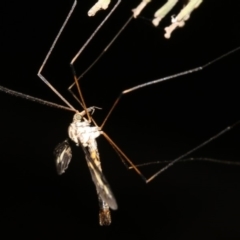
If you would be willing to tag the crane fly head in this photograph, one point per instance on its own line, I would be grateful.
(77, 117)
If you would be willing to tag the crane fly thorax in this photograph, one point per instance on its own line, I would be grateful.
(81, 130)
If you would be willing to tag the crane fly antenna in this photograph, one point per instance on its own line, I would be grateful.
(34, 99)
(81, 50)
(48, 55)
(190, 71)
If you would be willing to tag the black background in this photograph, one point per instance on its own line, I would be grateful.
(189, 201)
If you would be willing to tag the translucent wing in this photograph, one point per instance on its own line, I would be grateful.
(103, 188)
(63, 156)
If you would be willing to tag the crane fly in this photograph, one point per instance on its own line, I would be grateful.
(83, 130)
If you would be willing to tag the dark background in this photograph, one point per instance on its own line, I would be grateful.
(195, 200)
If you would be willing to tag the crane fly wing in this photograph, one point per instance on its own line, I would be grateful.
(63, 156)
(103, 188)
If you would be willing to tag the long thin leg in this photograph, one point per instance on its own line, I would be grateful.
(98, 58)
(123, 157)
(126, 160)
(193, 70)
(81, 50)
(201, 159)
(48, 55)
(138, 10)
(34, 99)
(120, 152)
(193, 150)
(106, 48)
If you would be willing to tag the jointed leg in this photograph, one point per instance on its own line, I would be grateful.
(34, 99)
(78, 54)
(193, 150)
(97, 59)
(48, 55)
(41, 101)
(123, 156)
(171, 163)
(203, 159)
(137, 87)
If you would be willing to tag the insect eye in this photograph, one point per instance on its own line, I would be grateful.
(77, 117)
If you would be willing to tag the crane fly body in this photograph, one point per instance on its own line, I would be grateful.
(83, 130)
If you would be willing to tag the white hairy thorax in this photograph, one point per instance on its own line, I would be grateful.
(81, 130)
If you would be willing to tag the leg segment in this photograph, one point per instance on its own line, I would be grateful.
(155, 82)
(48, 55)
(78, 54)
(190, 71)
